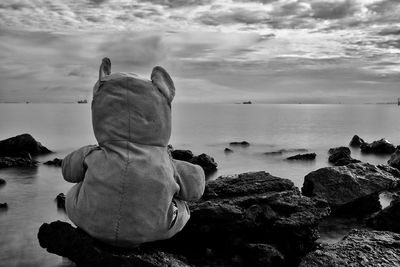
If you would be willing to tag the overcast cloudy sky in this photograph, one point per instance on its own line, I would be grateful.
(281, 51)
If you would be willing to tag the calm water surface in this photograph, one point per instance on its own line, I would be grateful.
(203, 128)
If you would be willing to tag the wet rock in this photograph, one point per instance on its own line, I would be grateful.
(360, 248)
(243, 143)
(356, 141)
(3, 206)
(308, 156)
(282, 151)
(2, 182)
(184, 155)
(381, 146)
(7, 162)
(351, 188)
(341, 156)
(255, 219)
(387, 219)
(55, 162)
(394, 160)
(23, 144)
(228, 150)
(60, 199)
(205, 161)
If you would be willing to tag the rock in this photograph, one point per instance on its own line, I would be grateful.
(382, 146)
(2, 182)
(255, 219)
(340, 156)
(3, 206)
(6, 162)
(184, 155)
(22, 144)
(62, 239)
(394, 160)
(205, 161)
(60, 199)
(282, 151)
(387, 219)
(308, 156)
(228, 150)
(356, 141)
(360, 248)
(55, 162)
(243, 143)
(351, 188)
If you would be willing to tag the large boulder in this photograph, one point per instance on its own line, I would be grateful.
(340, 156)
(354, 187)
(54, 162)
(387, 219)
(381, 146)
(394, 160)
(180, 154)
(254, 219)
(356, 141)
(21, 145)
(360, 248)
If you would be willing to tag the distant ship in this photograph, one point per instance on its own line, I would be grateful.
(84, 101)
(246, 102)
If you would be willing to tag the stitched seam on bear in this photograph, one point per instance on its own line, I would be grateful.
(119, 215)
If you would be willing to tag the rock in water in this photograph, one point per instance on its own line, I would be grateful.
(184, 155)
(55, 162)
(308, 156)
(228, 150)
(356, 141)
(7, 162)
(243, 143)
(351, 188)
(60, 199)
(255, 219)
(387, 219)
(394, 160)
(205, 161)
(23, 143)
(2, 182)
(360, 248)
(382, 146)
(340, 156)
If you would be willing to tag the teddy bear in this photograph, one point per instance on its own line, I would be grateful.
(128, 189)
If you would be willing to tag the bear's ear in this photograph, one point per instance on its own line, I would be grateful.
(105, 68)
(163, 82)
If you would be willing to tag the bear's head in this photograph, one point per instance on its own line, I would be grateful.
(126, 107)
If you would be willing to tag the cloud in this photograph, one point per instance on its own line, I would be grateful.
(334, 9)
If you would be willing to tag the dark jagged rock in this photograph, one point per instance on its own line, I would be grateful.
(356, 141)
(184, 155)
(360, 248)
(387, 219)
(308, 156)
(60, 199)
(341, 156)
(2, 182)
(21, 145)
(394, 160)
(205, 161)
(7, 162)
(382, 146)
(55, 162)
(255, 219)
(3, 206)
(351, 188)
(282, 151)
(228, 150)
(243, 143)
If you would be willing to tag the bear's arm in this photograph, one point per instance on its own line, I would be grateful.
(74, 166)
(191, 180)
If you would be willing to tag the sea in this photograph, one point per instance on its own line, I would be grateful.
(202, 128)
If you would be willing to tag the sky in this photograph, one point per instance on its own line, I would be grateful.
(225, 51)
